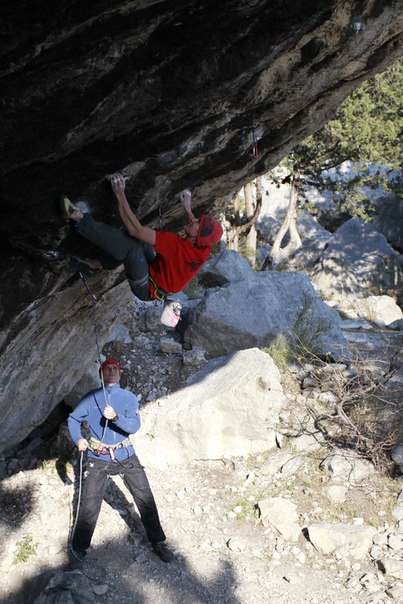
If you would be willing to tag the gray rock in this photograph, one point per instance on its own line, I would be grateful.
(229, 408)
(282, 515)
(397, 456)
(355, 324)
(357, 258)
(336, 493)
(69, 588)
(257, 310)
(347, 467)
(388, 218)
(225, 268)
(395, 592)
(120, 333)
(397, 512)
(395, 541)
(381, 310)
(350, 542)
(391, 567)
(170, 346)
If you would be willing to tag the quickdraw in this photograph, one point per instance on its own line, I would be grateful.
(158, 293)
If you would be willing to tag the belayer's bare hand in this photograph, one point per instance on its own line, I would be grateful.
(83, 444)
(109, 412)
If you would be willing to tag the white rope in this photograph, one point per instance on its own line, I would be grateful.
(73, 530)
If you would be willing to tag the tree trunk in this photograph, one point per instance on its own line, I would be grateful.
(233, 228)
(278, 255)
(251, 238)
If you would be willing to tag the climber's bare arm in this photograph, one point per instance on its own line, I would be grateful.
(129, 219)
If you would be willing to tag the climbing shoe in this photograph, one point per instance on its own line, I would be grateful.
(82, 267)
(171, 313)
(76, 559)
(67, 207)
(163, 552)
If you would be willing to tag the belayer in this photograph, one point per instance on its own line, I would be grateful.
(157, 264)
(111, 414)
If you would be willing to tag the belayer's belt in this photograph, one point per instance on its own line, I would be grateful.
(157, 292)
(100, 448)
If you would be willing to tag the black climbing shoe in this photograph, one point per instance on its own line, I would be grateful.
(76, 560)
(163, 552)
(82, 267)
(67, 208)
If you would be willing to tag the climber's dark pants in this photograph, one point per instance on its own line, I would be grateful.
(133, 253)
(94, 486)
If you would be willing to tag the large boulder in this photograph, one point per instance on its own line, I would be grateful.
(226, 267)
(382, 310)
(357, 259)
(228, 409)
(259, 308)
(388, 219)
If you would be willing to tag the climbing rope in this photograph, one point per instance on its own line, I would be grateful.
(94, 303)
(80, 483)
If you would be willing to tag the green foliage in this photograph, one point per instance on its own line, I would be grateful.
(309, 327)
(26, 549)
(281, 354)
(367, 127)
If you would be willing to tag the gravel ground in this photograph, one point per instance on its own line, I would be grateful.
(223, 554)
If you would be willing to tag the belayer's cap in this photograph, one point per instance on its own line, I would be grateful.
(210, 231)
(109, 362)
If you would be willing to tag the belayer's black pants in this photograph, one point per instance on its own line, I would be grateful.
(134, 254)
(94, 485)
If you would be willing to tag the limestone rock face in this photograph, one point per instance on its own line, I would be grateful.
(174, 95)
(54, 346)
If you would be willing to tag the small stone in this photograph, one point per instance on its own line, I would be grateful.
(376, 551)
(358, 521)
(308, 383)
(397, 512)
(197, 510)
(395, 541)
(336, 493)
(141, 558)
(395, 592)
(100, 590)
(380, 539)
(236, 544)
(352, 583)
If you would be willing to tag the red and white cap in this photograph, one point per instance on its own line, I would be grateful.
(109, 362)
(210, 231)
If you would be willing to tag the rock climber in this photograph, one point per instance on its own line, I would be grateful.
(158, 264)
(110, 414)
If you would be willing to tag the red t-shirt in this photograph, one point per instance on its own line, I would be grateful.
(177, 261)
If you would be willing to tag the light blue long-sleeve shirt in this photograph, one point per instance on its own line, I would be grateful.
(90, 409)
